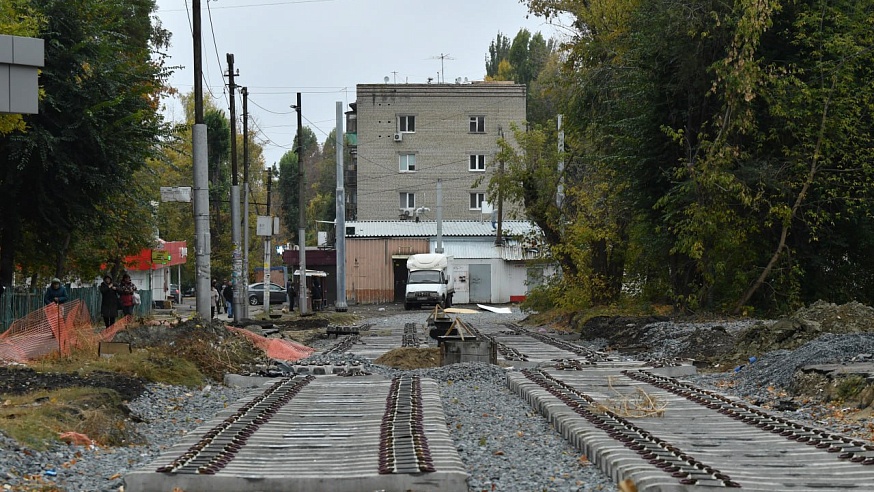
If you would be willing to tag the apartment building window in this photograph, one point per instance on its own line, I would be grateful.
(407, 163)
(476, 201)
(477, 124)
(406, 123)
(477, 162)
(408, 200)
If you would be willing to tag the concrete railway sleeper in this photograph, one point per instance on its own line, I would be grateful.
(509, 353)
(654, 450)
(583, 351)
(391, 434)
(411, 335)
(403, 446)
(844, 447)
(219, 446)
(343, 345)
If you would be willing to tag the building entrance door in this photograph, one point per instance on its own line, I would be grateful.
(399, 266)
(480, 283)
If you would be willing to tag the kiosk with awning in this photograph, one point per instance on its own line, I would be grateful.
(310, 276)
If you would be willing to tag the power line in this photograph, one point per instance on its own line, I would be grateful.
(268, 110)
(316, 126)
(271, 4)
(217, 57)
(191, 29)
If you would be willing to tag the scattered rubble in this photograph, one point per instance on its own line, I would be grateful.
(823, 351)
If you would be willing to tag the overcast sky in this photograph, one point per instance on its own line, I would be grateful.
(323, 48)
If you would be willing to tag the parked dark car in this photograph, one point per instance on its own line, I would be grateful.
(175, 294)
(256, 294)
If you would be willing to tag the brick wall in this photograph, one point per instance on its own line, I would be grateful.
(441, 143)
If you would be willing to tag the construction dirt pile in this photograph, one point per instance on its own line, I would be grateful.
(407, 358)
(821, 351)
(805, 325)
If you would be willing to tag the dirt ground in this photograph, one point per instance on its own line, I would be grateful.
(205, 344)
(630, 335)
(20, 381)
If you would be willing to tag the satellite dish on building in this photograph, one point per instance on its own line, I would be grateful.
(385, 79)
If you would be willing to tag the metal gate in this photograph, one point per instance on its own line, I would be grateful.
(480, 283)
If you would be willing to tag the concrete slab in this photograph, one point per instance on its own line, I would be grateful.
(754, 458)
(327, 437)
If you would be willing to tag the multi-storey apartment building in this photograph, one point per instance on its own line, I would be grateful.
(409, 136)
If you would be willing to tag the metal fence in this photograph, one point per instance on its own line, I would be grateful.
(17, 304)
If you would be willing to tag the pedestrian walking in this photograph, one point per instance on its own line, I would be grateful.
(228, 294)
(216, 299)
(218, 302)
(109, 304)
(291, 293)
(317, 295)
(55, 292)
(126, 291)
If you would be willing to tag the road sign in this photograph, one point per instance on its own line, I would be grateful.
(176, 194)
(160, 256)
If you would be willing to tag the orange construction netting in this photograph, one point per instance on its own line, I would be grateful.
(276, 348)
(59, 328)
(54, 328)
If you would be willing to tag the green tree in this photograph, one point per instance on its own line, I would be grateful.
(499, 50)
(522, 62)
(98, 123)
(289, 193)
(289, 180)
(815, 118)
(736, 135)
(175, 221)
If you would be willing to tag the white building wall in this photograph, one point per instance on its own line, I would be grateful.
(152, 280)
(462, 286)
(507, 278)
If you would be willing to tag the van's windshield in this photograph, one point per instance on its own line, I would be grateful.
(424, 277)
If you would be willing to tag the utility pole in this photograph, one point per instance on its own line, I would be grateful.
(499, 239)
(267, 249)
(340, 223)
(301, 213)
(244, 288)
(203, 299)
(236, 254)
(438, 248)
(559, 192)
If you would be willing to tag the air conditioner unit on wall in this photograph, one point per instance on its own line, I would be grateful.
(398, 137)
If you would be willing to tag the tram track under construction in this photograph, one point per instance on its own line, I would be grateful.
(336, 426)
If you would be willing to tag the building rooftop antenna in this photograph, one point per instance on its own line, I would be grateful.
(441, 57)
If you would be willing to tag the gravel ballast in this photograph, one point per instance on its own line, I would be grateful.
(504, 444)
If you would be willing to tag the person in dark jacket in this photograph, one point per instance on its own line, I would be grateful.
(317, 295)
(228, 295)
(126, 289)
(55, 293)
(108, 301)
(290, 292)
(219, 303)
